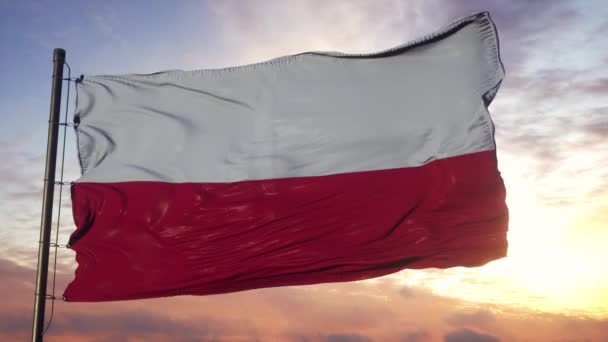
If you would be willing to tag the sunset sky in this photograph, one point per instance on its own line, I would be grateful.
(551, 117)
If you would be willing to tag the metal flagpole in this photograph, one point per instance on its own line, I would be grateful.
(47, 199)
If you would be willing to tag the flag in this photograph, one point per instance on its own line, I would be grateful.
(310, 168)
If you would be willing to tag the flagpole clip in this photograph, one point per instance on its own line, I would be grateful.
(51, 297)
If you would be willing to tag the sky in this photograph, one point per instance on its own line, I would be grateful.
(551, 117)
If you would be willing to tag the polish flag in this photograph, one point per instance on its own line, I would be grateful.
(311, 168)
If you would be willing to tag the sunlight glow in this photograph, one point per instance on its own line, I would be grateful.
(552, 266)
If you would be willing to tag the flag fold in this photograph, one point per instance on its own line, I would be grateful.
(310, 168)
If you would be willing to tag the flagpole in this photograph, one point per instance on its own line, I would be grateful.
(47, 197)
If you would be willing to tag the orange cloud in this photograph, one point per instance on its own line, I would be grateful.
(378, 310)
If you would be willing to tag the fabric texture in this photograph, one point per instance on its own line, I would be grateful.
(311, 168)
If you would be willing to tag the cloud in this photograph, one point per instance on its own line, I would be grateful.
(258, 32)
(347, 338)
(130, 322)
(19, 165)
(21, 176)
(407, 292)
(480, 318)
(14, 324)
(357, 311)
(554, 126)
(466, 335)
(276, 27)
(597, 123)
(550, 115)
(416, 336)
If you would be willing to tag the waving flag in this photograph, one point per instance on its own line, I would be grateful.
(316, 167)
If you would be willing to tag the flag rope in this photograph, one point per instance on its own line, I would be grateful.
(60, 183)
